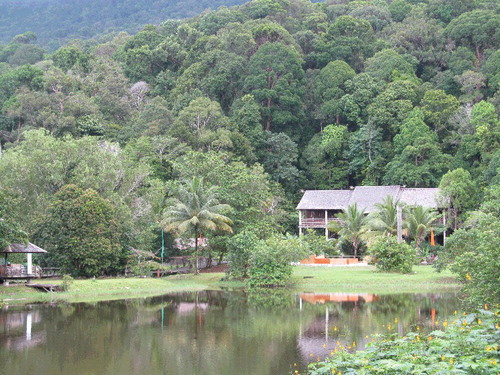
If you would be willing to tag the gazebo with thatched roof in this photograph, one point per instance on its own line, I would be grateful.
(10, 272)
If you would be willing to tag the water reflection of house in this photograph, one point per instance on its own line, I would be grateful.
(320, 336)
(315, 298)
(17, 330)
(186, 308)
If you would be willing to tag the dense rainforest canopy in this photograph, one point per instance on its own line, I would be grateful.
(261, 100)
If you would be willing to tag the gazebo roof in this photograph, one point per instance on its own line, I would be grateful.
(18, 248)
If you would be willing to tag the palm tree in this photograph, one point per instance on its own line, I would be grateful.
(195, 208)
(385, 219)
(419, 223)
(351, 226)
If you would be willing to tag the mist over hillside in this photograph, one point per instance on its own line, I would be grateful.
(57, 21)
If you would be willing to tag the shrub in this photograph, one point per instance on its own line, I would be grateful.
(67, 281)
(391, 256)
(270, 260)
(318, 245)
(146, 268)
(240, 249)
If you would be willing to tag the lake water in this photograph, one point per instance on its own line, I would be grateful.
(209, 332)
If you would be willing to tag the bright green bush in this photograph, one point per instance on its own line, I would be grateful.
(67, 281)
(466, 345)
(147, 267)
(239, 251)
(391, 256)
(270, 261)
(318, 245)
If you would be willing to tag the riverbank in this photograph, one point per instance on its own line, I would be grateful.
(310, 279)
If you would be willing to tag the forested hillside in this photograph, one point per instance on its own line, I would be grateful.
(262, 100)
(58, 21)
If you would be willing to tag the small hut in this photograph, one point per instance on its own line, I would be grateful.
(12, 272)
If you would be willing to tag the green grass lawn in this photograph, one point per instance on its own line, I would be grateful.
(364, 279)
(114, 288)
(310, 279)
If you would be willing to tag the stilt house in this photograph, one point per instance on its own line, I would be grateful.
(319, 207)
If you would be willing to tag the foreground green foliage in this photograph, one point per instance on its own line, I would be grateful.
(467, 344)
(473, 253)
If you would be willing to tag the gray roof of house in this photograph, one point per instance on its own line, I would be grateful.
(23, 249)
(366, 197)
(426, 197)
(324, 200)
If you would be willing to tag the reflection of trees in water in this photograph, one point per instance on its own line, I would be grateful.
(205, 332)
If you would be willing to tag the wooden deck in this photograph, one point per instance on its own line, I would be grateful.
(317, 222)
(46, 287)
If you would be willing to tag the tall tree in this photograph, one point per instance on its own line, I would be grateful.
(418, 160)
(351, 226)
(275, 80)
(384, 220)
(459, 191)
(419, 223)
(196, 209)
(81, 233)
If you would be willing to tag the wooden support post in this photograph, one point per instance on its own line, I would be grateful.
(326, 224)
(444, 224)
(400, 223)
(300, 223)
(29, 262)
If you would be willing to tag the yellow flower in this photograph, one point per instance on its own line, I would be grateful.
(443, 357)
(479, 321)
(445, 324)
(429, 338)
(324, 345)
(485, 306)
(468, 277)
(395, 320)
(294, 365)
(311, 355)
(452, 361)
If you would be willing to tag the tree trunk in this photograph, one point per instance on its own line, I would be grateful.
(196, 268)
(268, 122)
